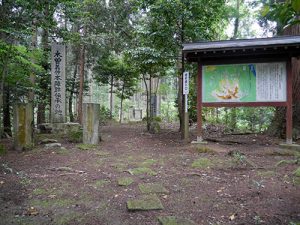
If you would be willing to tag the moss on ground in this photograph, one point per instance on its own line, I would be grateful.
(297, 172)
(102, 153)
(101, 183)
(152, 188)
(120, 167)
(148, 162)
(172, 220)
(40, 191)
(202, 163)
(266, 174)
(125, 181)
(205, 149)
(68, 218)
(62, 151)
(283, 152)
(86, 146)
(52, 203)
(145, 202)
(286, 162)
(2, 150)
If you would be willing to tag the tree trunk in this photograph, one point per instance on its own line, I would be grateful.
(72, 94)
(32, 75)
(81, 82)
(147, 103)
(6, 112)
(150, 101)
(121, 107)
(3, 74)
(44, 81)
(41, 113)
(111, 97)
(237, 20)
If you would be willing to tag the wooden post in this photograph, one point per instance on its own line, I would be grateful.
(199, 103)
(289, 108)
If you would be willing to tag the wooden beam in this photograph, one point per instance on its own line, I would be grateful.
(289, 107)
(199, 103)
(246, 104)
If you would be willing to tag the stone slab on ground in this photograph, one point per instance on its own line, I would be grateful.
(290, 146)
(125, 181)
(142, 171)
(145, 202)
(152, 188)
(172, 220)
(53, 145)
(48, 141)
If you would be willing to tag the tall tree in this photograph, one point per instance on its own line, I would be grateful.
(171, 23)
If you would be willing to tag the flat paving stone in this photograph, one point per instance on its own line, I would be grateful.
(142, 170)
(173, 220)
(125, 181)
(145, 202)
(152, 188)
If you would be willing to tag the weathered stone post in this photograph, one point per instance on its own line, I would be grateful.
(90, 122)
(23, 120)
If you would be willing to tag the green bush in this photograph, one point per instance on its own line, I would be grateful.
(104, 115)
(157, 119)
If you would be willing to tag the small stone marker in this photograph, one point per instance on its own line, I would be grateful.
(172, 220)
(145, 202)
(125, 181)
(152, 188)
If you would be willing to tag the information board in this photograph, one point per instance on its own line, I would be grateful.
(259, 82)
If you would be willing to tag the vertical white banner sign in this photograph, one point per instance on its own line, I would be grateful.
(185, 89)
(186, 83)
(58, 83)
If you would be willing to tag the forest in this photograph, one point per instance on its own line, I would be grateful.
(123, 72)
(121, 47)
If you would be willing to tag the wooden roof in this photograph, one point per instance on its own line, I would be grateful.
(239, 50)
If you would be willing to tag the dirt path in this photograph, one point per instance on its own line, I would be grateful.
(214, 184)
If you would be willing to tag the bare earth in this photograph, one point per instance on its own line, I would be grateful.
(221, 183)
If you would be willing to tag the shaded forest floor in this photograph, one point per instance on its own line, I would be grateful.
(237, 179)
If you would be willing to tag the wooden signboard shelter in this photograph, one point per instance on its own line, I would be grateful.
(262, 53)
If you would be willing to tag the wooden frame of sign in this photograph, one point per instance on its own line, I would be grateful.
(246, 51)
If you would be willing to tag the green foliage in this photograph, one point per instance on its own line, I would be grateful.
(285, 13)
(121, 71)
(157, 119)
(104, 115)
(202, 163)
(238, 158)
